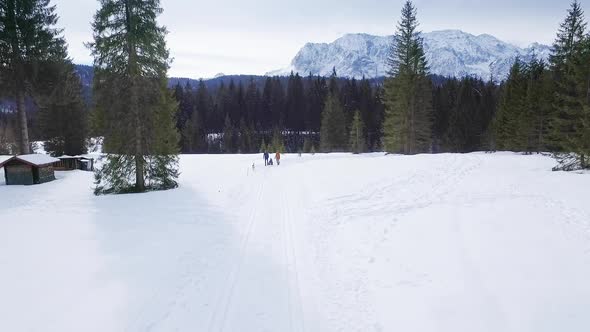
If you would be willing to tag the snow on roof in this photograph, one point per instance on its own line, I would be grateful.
(4, 158)
(37, 159)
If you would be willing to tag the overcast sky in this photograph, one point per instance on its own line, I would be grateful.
(257, 36)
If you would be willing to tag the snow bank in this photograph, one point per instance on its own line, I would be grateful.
(477, 242)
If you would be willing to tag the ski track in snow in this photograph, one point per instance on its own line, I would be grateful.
(226, 300)
(475, 242)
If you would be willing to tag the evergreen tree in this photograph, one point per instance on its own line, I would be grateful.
(350, 100)
(510, 120)
(295, 117)
(134, 105)
(277, 144)
(307, 145)
(366, 106)
(228, 136)
(62, 112)
(408, 96)
(7, 134)
(444, 102)
(204, 106)
(266, 105)
(539, 102)
(263, 147)
(245, 138)
(570, 63)
(357, 137)
(316, 95)
(333, 128)
(252, 103)
(28, 38)
(193, 135)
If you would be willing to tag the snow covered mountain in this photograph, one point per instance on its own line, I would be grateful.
(449, 53)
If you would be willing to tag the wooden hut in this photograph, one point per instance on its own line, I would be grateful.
(86, 164)
(70, 163)
(28, 169)
(66, 163)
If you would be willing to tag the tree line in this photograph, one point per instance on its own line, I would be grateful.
(284, 113)
(545, 106)
(539, 107)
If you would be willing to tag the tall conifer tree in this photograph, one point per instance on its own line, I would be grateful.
(28, 38)
(135, 108)
(509, 122)
(333, 128)
(408, 96)
(62, 110)
(570, 62)
(357, 135)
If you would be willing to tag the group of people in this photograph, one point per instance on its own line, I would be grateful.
(268, 160)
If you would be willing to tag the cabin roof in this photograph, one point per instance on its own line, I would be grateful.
(4, 158)
(65, 156)
(31, 159)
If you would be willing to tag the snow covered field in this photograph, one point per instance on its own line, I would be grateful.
(476, 242)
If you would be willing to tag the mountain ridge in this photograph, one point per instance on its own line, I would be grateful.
(449, 53)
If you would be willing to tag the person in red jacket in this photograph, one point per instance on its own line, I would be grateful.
(278, 158)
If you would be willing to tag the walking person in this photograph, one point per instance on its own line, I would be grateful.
(278, 158)
(266, 156)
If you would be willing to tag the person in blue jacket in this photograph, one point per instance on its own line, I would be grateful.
(266, 156)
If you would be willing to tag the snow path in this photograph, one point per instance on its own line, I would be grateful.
(262, 296)
(477, 242)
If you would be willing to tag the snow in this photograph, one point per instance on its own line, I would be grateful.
(39, 147)
(475, 242)
(38, 159)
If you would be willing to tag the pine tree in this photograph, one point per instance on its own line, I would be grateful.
(28, 38)
(263, 147)
(62, 111)
(357, 136)
(510, 120)
(7, 134)
(333, 128)
(307, 144)
(252, 102)
(316, 95)
(204, 106)
(408, 96)
(228, 136)
(570, 62)
(538, 105)
(245, 138)
(130, 89)
(368, 112)
(193, 135)
(295, 104)
(277, 143)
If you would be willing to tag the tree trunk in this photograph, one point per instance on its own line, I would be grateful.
(134, 101)
(138, 138)
(24, 144)
(139, 172)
